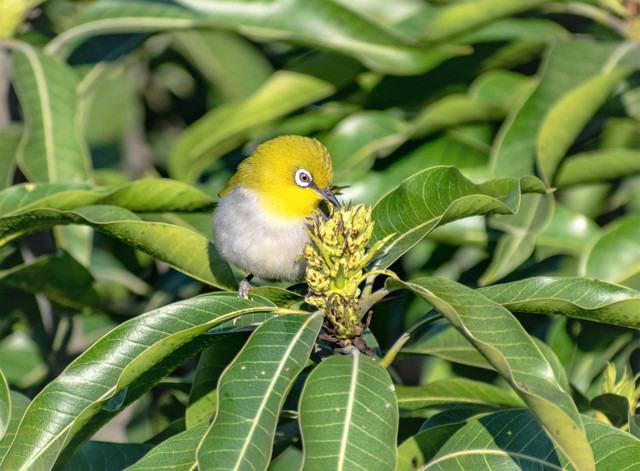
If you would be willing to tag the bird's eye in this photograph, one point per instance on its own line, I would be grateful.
(303, 178)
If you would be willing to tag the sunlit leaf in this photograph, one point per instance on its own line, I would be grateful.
(506, 345)
(107, 368)
(597, 166)
(242, 432)
(349, 415)
(51, 149)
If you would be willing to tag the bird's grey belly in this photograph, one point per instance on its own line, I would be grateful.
(256, 244)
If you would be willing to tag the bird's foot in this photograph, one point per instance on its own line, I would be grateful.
(245, 286)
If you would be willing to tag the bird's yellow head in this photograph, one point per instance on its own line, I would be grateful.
(289, 174)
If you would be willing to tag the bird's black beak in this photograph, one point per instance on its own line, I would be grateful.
(328, 195)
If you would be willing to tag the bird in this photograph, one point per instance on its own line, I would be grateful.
(260, 221)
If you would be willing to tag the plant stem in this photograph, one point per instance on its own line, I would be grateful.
(404, 338)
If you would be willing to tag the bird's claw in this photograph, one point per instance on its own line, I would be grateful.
(243, 289)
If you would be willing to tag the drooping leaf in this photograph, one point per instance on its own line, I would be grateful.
(436, 196)
(242, 432)
(104, 371)
(51, 149)
(349, 415)
(181, 248)
(582, 298)
(224, 128)
(506, 345)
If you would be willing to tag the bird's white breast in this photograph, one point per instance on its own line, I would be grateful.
(264, 245)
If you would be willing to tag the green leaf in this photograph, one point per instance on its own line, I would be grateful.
(532, 30)
(569, 115)
(359, 139)
(521, 231)
(309, 22)
(449, 344)
(566, 65)
(453, 110)
(581, 298)
(5, 406)
(505, 344)
(252, 390)
(21, 360)
(597, 166)
(349, 415)
(418, 450)
(568, 232)
(225, 127)
(42, 276)
(19, 404)
(104, 371)
(105, 456)
(183, 249)
(51, 149)
(146, 195)
(9, 140)
(203, 397)
(436, 196)
(453, 393)
(615, 256)
(229, 62)
(177, 453)
(461, 16)
(513, 440)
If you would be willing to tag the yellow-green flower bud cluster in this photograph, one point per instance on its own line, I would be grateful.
(337, 261)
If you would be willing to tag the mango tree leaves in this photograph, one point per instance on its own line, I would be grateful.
(51, 149)
(183, 249)
(9, 140)
(314, 22)
(582, 298)
(177, 453)
(43, 276)
(19, 404)
(567, 65)
(569, 115)
(514, 440)
(453, 393)
(457, 17)
(103, 372)
(436, 196)
(616, 255)
(598, 165)
(106, 456)
(5, 405)
(225, 127)
(252, 390)
(506, 345)
(147, 195)
(349, 415)
(357, 140)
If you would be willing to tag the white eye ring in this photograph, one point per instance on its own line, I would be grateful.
(303, 178)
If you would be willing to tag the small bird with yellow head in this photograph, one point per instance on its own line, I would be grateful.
(259, 224)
